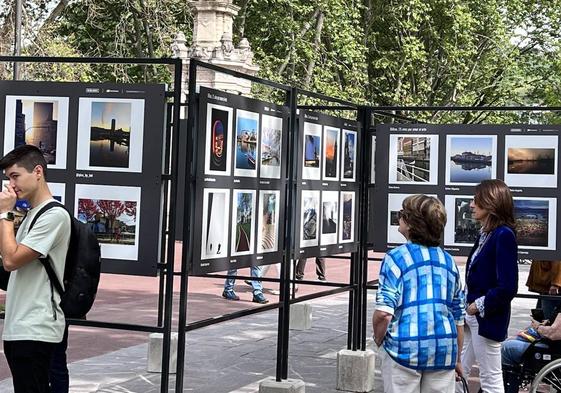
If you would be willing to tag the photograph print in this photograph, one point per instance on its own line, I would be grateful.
(349, 156)
(110, 134)
(216, 210)
(243, 222)
(247, 142)
(218, 140)
(113, 213)
(531, 161)
(470, 159)
(413, 159)
(311, 169)
(268, 221)
(373, 161)
(271, 147)
(309, 224)
(536, 220)
(329, 217)
(395, 203)
(347, 210)
(461, 228)
(38, 121)
(331, 153)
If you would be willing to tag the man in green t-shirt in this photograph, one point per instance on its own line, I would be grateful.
(34, 322)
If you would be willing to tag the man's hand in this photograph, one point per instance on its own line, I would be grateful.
(459, 370)
(8, 199)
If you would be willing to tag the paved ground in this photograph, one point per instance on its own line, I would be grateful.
(232, 356)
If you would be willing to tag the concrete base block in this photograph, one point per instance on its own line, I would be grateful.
(355, 370)
(286, 386)
(301, 316)
(155, 347)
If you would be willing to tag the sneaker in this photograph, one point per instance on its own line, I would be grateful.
(259, 298)
(248, 282)
(322, 278)
(230, 295)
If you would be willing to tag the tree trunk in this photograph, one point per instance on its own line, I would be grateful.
(316, 45)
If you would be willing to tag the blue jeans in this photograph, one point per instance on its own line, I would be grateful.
(513, 349)
(255, 284)
(58, 373)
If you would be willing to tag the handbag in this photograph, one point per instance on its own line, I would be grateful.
(4, 278)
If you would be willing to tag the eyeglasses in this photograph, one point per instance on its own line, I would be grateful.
(401, 215)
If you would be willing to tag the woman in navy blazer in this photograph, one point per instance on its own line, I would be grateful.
(491, 283)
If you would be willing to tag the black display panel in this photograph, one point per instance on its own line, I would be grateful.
(448, 161)
(240, 152)
(104, 147)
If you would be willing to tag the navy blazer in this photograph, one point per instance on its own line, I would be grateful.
(493, 273)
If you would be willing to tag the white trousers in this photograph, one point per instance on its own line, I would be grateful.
(485, 352)
(400, 379)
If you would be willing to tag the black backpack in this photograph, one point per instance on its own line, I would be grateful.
(82, 269)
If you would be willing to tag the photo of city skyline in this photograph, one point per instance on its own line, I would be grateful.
(349, 155)
(37, 124)
(471, 158)
(110, 132)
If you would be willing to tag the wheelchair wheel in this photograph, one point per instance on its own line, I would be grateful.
(548, 380)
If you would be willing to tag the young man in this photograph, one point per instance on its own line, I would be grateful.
(34, 322)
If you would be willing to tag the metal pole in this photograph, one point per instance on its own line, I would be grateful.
(187, 252)
(17, 38)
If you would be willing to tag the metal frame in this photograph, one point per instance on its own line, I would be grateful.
(169, 179)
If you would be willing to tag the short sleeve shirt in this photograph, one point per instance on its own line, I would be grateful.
(30, 312)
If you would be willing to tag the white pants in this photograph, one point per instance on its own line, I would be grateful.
(485, 352)
(400, 379)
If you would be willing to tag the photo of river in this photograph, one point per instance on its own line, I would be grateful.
(471, 158)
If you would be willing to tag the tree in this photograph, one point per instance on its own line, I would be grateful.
(88, 209)
(111, 210)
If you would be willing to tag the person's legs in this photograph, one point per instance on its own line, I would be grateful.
(229, 282)
(488, 354)
(300, 266)
(512, 351)
(398, 379)
(320, 268)
(441, 381)
(58, 373)
(29, 363)
(256, 284)
(468, 355)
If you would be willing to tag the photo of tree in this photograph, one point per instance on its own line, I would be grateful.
(110, 133)
(243, 221)
(331, 154)
(112, 221)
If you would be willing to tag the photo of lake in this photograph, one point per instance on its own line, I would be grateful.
(471, 159)
(110, 134)
(534, 161)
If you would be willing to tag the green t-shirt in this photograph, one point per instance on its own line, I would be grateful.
(30, 313)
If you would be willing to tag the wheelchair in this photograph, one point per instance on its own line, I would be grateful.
(540, 370)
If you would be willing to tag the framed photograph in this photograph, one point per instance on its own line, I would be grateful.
(243, 222)
(311, 169)
(113, 213)
(373, 162)
(331, 153)
(110, 134)
(38, 121)
(536, 223)
(349, 156)
(218, 140)
(309, 220)
(470, 159)
(413, 159)
(329, 217)
(395, 203)
(531, 160)
(461, 228)
(216, 211)
(271, 147)
(247, 142)
(268, 221)
(347, 217)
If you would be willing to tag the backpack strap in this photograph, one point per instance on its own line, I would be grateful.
(45, 261)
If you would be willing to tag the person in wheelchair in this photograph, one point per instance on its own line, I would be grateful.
(524, 355)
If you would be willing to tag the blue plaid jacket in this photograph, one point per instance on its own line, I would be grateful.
(420, 286)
